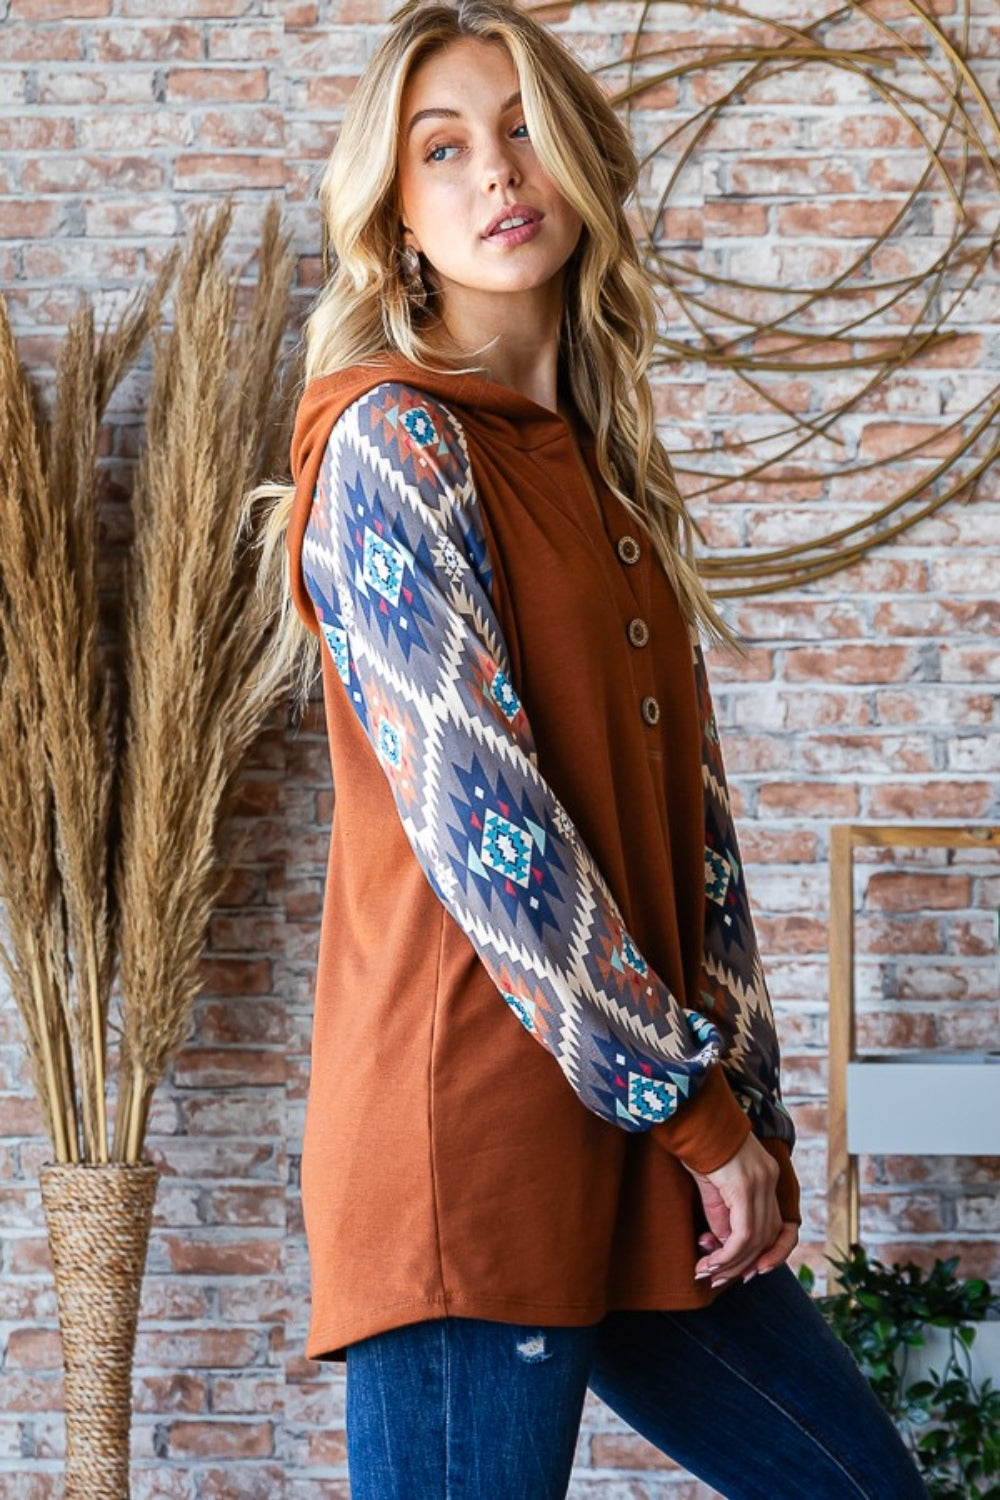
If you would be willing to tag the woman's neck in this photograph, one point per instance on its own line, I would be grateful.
(516, 345)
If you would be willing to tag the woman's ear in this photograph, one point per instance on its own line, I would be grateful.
(408, 237)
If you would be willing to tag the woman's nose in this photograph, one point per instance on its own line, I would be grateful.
(500, 166)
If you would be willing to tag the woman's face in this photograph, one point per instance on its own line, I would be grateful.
(475, 200)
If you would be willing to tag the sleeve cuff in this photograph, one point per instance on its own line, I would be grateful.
(711, 1127)
(708, 1129)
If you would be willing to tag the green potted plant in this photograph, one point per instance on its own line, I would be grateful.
(914, 1334)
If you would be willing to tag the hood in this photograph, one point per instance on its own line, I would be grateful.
(486, 410)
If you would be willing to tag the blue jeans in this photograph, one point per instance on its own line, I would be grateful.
(754, 1394)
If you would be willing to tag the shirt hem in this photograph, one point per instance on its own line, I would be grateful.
(328, 1344)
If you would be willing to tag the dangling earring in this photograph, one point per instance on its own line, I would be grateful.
(412, 280)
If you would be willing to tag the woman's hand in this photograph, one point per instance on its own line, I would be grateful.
(746, 1232)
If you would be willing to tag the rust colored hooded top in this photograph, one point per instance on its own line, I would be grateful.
(451, 1164)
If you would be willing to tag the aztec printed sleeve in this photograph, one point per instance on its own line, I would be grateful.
(732, 986)
(396, 564)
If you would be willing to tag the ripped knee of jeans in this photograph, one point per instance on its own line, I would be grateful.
(532, 1349)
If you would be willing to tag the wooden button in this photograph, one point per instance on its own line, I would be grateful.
(628, 549)
(650, 710)
(638, 632)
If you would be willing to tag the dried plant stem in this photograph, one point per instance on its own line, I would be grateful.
(53, 1083)
(199, 640)
(204, 668)
(56, 735)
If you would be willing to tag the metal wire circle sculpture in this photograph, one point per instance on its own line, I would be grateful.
(855, 334)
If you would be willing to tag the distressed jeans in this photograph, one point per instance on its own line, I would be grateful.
(754, 1394)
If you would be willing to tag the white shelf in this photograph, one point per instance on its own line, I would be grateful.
(924, 1104)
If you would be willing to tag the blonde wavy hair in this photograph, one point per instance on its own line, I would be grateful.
(365, 310)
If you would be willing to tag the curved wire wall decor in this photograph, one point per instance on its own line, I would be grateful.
(856, 336)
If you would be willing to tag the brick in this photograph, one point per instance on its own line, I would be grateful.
(213, 1256)
(221, 1439)
(59, 174)
(131, 218)
(200, 1348)
(97, 86)
(227, 1115)
(269, 1299)
(58, 10)
(938, 707)
(153, 43)
(812, 709)
(159, 1394)
(907, 1213)
(248, 1393)
(785, 620)
(160, 1481)
(939, 617)
(861, 754)
(847, 663)
(974, 752)
(34, 42)
(262, 1481)
(619, 1450)
(224, 130)
(975, 663)
(897, 890)
(255, 1205)
(245, 43)
(34, 1349)
(898, 934)
(892, 1030)
(29, 219)
(228, 171)
(148, 130)
(813, 798)
(786, 176)
(734, 218)
(205, 1067)
(331, 91)
(854, 218)
(193, 9)
(213, 85)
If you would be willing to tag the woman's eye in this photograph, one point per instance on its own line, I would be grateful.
(521, 131)
(437, 153)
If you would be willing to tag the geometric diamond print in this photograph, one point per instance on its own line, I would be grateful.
(717, 872)
(383, 567)
(336, 639)
(651, 1098)
(420, 427)
(387, 576)
(390, 743)
(504, 696)
(506, 848)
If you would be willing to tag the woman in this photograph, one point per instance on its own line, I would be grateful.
(545, 1144)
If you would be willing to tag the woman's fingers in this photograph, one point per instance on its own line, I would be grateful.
(745, 1185)
(779, 1252)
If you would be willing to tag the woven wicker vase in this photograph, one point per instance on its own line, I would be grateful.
(98, 1218)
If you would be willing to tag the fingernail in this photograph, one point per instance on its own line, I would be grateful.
(700, 1275)
(720, 1281)
(749, 1277)
(766, 1270)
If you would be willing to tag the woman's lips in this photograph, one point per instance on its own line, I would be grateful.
(518, 232)
(516, 236)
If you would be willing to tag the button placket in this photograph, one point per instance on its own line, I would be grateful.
(637, 629)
